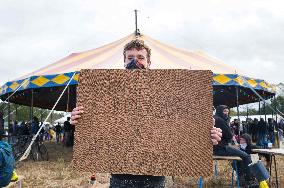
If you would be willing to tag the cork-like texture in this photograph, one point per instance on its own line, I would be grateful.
(154, 122)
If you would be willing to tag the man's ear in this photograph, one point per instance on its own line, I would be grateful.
(149, 63)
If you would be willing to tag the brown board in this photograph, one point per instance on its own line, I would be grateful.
(154, 122)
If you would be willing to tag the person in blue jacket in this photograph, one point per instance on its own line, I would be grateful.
(7, 163)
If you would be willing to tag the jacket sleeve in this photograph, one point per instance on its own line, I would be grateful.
(226, 131)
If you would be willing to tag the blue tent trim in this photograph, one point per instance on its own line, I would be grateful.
(57, 80)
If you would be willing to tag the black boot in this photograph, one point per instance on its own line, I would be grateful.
(251, 183)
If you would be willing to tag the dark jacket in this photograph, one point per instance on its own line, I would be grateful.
(222, 122)
(67, 127)
(58, 128)
(35, 127)
(262, 126)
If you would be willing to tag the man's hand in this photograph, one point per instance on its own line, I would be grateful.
(216, 134)
(75, 114)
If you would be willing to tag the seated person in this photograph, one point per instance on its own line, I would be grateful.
(247, 146)
(7, 163)
(223, 149)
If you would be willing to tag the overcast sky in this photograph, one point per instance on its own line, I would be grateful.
(248, 35)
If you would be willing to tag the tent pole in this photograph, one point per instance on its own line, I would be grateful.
(16, 115)
(272, 113)
(32, 105)
(275, 107)
(136, 29)
(259, 112)
(41, 115)
(247, 111)
(68, 95)
(238, 112)
(51, 118)
(264, 108)
(9, 118)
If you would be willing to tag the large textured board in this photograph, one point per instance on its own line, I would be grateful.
(154, 122)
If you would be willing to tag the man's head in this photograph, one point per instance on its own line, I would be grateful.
(236, 121)
(223, 111)
(138, 51)
(35, 119)
(245, 139)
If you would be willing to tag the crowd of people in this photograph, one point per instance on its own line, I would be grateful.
(261, 131)
(239, 139)
(61, 133)
(64, 134)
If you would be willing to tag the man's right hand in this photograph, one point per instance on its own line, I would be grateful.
(75, 114)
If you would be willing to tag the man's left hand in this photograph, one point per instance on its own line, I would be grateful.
(216, 134)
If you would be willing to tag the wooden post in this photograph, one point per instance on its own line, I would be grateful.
(32, 105)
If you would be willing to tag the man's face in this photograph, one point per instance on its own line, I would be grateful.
(242, 141)
(139, 55)
(226, 111)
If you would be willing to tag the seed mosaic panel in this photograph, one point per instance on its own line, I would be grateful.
(154, 122)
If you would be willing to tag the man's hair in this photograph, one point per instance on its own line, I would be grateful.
(138, 45)
(247, 138)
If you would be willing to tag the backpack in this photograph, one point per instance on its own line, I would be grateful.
(7, 163)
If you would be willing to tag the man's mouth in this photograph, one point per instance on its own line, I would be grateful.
(134, 64)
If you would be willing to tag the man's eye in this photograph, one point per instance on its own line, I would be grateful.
(140, 57)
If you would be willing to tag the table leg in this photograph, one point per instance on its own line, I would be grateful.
(200, 182)
(215, 168)
(275, 168)
(232, 182)
(237, 175)
(270, 161)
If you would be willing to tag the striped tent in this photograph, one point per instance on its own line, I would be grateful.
(48, 82)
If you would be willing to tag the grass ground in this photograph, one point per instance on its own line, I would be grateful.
(58, 173)
(55, 173)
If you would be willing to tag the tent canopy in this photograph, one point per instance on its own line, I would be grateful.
(49, 80)
(110, 57)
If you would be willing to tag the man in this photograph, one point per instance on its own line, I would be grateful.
(262, 132)
(15, 128)
(58, 130)
(137, 56)
(35, 125)
(67, 128)
(223, 148)
(271, 128)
